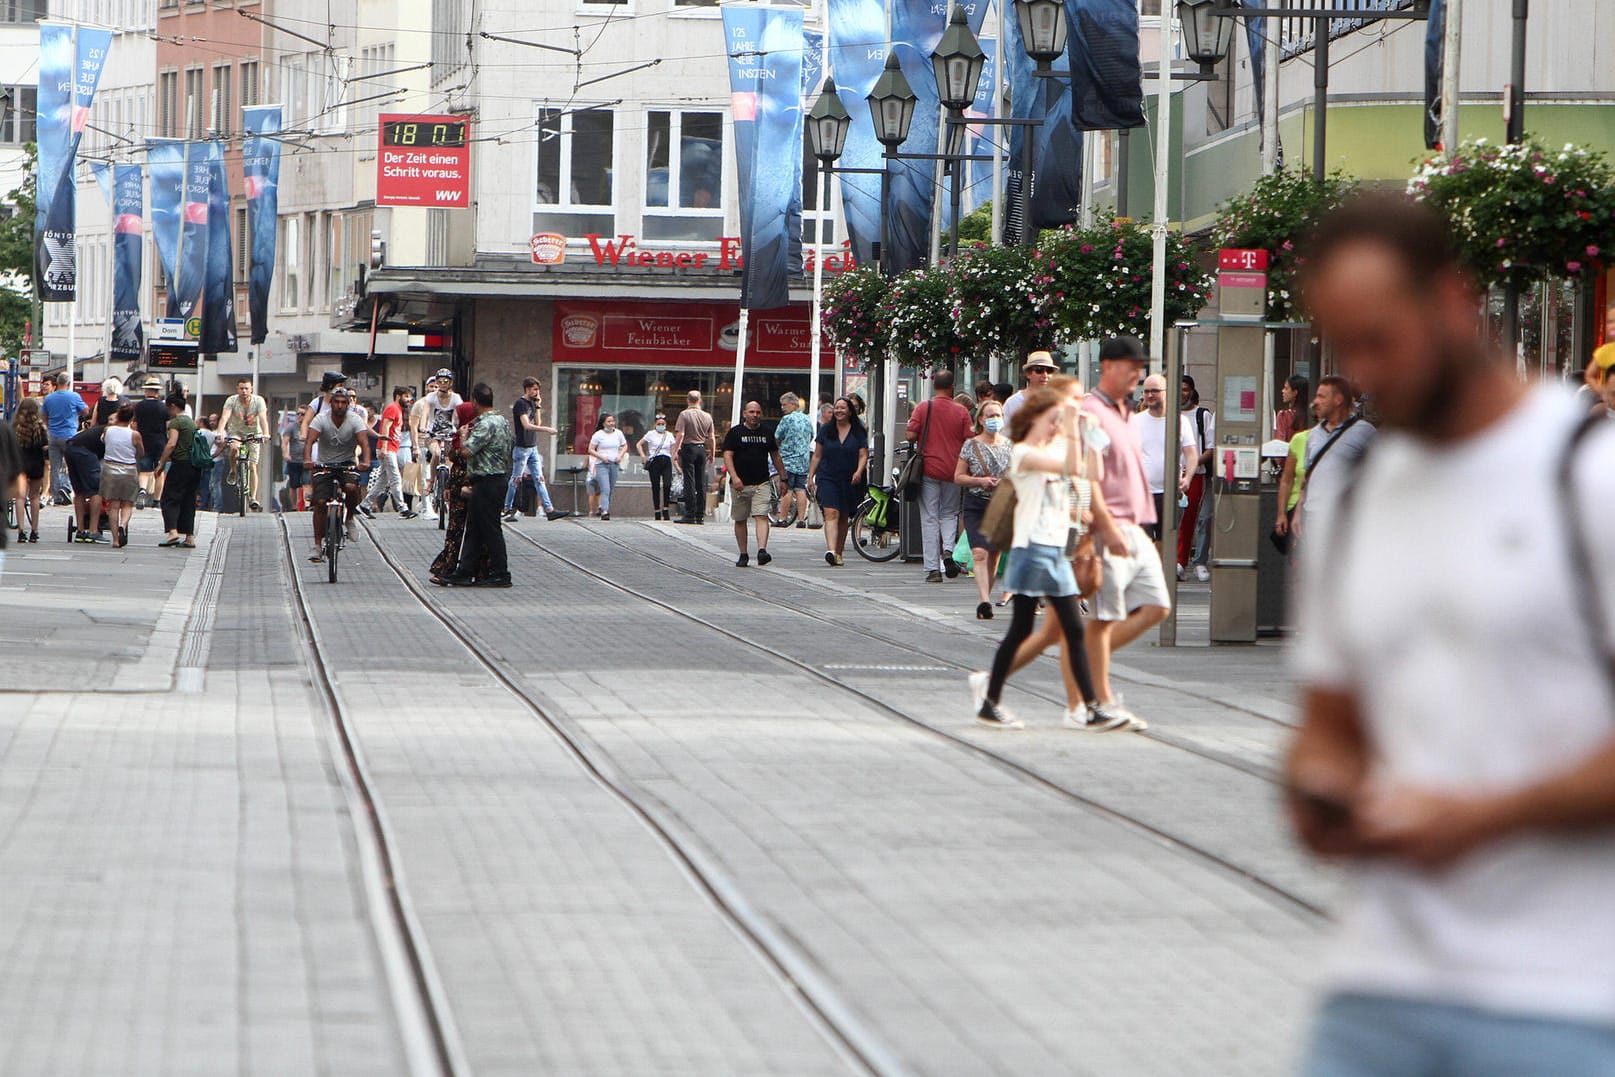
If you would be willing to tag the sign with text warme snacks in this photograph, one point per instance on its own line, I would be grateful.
(424, 161)
(1242, 282)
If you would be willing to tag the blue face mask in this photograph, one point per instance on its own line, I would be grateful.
(993, 425)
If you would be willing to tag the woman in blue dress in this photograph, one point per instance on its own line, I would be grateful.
(840, 459)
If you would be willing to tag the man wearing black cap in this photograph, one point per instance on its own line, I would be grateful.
(1133, 597)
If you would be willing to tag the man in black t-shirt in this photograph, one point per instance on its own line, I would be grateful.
(526, 423)
(151, 419)
(747, 450)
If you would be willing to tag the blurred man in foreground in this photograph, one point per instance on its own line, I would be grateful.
(1458, 744)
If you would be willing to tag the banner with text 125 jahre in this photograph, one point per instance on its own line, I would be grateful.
(1107, 84)
(186, 295)
(165, 164)
(69, 71)
(219, 285)
(260, 167)
(129, 230)
(1056, 144)
(765, 87)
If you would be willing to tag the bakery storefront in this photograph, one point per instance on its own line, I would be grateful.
(612, 329)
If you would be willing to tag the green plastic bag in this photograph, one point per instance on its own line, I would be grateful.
(961, 552)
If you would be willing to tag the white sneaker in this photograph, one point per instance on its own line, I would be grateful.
(317, 554)
(1092, 718)
(1132, 723)
(353, 530)
(1202, 573)
(427, 513)
(1183, 574)
(978, 688)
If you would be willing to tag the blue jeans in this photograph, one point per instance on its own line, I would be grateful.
(527, 461)
(1378, 1036)
(605, 477)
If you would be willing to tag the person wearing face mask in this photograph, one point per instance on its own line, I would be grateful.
(981, 463)
(607, 446)
(656, 453)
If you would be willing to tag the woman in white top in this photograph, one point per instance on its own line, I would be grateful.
(119, 477)
(656, 451)
(1041, 467)
(607, 448)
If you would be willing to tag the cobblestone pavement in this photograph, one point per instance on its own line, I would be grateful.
(825, 874)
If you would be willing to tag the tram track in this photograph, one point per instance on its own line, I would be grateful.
(431, 1044)
(1016, 768)
(795, 970)
(1255, 770)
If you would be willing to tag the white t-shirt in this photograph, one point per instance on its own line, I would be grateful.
(1202, 427)
(610, 444)
(1012, 405)
(1152, 436)
(1443, 600)
(658, 443)
(1042, 499)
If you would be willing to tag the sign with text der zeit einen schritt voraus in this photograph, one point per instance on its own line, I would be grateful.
(423, 161)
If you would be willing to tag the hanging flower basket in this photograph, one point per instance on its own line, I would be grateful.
(1522, 212)
(1098, 280)
(850, 313)
(1280, 211)
(917, 314)
(1000, 302)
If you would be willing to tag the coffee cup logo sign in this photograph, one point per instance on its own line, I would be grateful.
(548, 248)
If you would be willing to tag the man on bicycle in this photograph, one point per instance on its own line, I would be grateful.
(245, 416)
(341, 436)
(438, 426)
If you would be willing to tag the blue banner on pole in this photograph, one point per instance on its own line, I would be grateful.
(917, 27)
(186, 295)
(765, 84)
(1434, 52)
(54, 268)
(857, 55)
(1107, 84)
(984, 139)
(165, 162)
(101, 173)
(219, 287)
(1056, 147)
(129, 229)
(260, 166)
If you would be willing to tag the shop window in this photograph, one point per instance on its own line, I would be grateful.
(683, 175)
(575, 193)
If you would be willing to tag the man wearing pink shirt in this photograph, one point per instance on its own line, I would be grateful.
(1133, 597)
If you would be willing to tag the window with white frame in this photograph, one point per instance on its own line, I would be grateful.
(683, 175)
(195, 106)
(223, 114)
(576, 152)
(249, 82)
(291, 264)
(18, 123)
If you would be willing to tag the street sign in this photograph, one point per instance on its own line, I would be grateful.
(423, 160)
(1242, 281)
(170, 329)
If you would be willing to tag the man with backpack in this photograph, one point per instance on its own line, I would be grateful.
(1457, 747)
(1203, 422)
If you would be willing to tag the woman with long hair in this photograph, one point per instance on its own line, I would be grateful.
(119, 478)
(1042, 466)
(836, 471)
(446, 562)
(982, 462)
(1296, 414)
(32, 441)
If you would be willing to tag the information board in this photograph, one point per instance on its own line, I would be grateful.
(423, 160)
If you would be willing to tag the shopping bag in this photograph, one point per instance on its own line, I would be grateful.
(961, 552)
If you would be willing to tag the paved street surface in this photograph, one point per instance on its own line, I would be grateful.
(644, 813)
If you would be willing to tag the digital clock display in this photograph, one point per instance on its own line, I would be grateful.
(422, 134)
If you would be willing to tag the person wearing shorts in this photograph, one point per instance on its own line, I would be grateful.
(748, 449)
(1133, 597)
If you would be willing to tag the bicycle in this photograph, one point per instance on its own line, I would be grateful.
(876, 528)
(240, 473)
(336, 518)
(440, 479)
(782, 507)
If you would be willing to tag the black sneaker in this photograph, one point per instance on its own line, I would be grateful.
(743, 560)
(555, 514)
(496, 581)
(367, 512)
(605, 516)
(407, 514)
(764, 557)
(933, 576)
(996, 716)
(509, 516)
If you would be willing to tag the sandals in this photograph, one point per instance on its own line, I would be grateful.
(171, 543)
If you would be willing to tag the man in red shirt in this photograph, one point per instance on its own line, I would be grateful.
(1133, 597)
(385, 479)
(940, 428)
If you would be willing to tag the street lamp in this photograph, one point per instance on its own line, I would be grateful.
(1206, 36)
(828, 124)
(958, 61)
(1043, 30)
(891, 104)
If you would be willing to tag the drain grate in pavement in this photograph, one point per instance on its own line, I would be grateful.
(889, 669)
